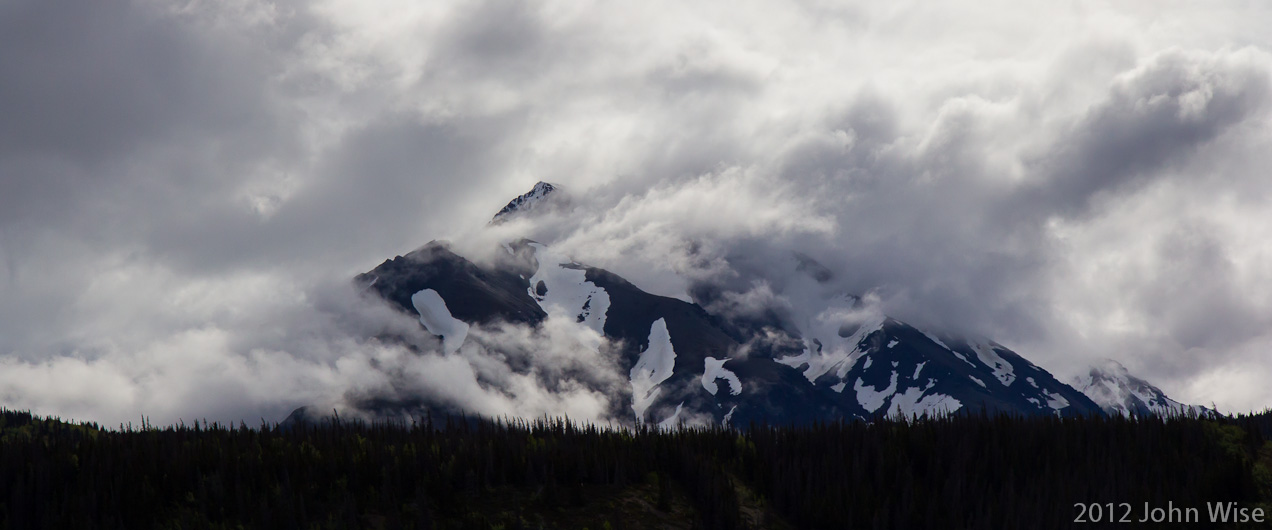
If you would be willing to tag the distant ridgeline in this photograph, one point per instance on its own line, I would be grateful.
(971, 471)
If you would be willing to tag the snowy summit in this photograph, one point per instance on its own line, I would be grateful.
(542, 193)
(1111, 386)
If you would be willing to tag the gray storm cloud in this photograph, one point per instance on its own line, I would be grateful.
(183, 182)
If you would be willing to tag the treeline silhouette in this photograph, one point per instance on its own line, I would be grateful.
(970, 471)
(1257, 421)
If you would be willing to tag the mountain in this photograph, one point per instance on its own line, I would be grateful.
(1118, 392)
(834, 358)
(541, 196)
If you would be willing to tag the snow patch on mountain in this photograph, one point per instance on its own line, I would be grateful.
(825, 347)
(796, 361)
(1055, 401)
(947, 347)
(437, 319)
(561, 288)
(714, 369)
(872, 399)
(1002, 369)
(913, 403)
(670, 422)
(938, 342)
(654, 366)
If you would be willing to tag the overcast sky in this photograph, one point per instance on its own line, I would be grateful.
(185, 185)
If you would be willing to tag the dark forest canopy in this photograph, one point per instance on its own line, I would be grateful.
(958, 472)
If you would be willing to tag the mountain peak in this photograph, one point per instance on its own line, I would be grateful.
(1112, 386)
(542, 193)
(1109, 367)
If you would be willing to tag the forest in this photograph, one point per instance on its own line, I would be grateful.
(966, 471)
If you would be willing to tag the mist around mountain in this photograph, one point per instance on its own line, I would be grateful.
(642, 358)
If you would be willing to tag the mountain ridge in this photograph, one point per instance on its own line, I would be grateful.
(796, 378)
(842, 359)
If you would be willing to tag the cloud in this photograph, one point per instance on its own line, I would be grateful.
(182, 181)
(340, 349)
(1154, 115)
